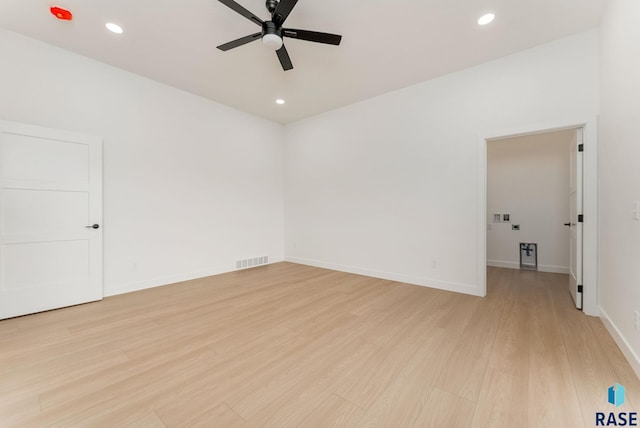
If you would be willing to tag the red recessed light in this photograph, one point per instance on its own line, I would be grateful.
(61, 13)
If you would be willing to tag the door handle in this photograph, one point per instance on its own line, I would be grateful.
(567, 224)
(93, 226)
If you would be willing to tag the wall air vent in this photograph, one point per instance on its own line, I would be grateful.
(252, 262)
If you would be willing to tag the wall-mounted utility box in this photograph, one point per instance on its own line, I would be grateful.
(502, 218)
(528, 255)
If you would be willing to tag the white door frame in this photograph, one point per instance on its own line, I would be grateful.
(590, 208)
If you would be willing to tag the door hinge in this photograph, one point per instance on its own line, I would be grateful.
(580, 218)
(581, 147)
(579, 288)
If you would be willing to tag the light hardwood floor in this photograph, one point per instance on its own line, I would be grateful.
(287, 345)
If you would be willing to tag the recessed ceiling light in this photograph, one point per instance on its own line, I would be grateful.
(280, 101)
(114, 28)
(485, 19)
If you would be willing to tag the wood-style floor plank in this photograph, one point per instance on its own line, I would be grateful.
(552, 395)
(445, 410)
(334, 412)
(287, 345)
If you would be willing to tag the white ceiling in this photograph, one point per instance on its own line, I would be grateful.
(386, 45)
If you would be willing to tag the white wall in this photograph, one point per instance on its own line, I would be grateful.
(389, 186)
(189, 185)
(619, 174)
(528, 178)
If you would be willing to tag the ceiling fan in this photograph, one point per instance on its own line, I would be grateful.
(272, 31)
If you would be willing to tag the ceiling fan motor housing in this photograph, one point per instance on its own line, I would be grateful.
(268, 27)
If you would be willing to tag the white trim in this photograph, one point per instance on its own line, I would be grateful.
(172, 279)
(413, 280)
(630, 355)
(515, 265)
(19, 128)
(590, 208)
(502, 264)
(481, 235)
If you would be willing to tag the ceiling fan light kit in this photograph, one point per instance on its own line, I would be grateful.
(272, 32)
(271, 36)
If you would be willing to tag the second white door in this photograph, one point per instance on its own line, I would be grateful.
(576, 217)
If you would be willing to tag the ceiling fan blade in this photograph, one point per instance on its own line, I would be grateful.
(242, 11)
(312, 36)
(283, 56)
(282, 11)
(239, 42)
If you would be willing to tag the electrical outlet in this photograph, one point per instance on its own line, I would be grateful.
(636, 319)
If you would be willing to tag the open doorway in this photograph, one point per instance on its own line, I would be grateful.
(533, 208)
(528, 201)
(530, 180)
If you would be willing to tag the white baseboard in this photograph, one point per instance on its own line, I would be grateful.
(541, 268)
(500, 264)
(622, 343)
(424, 282)
(554, 269)
(172, 279)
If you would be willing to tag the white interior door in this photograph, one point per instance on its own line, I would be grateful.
(575, 210)
(50, 198)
